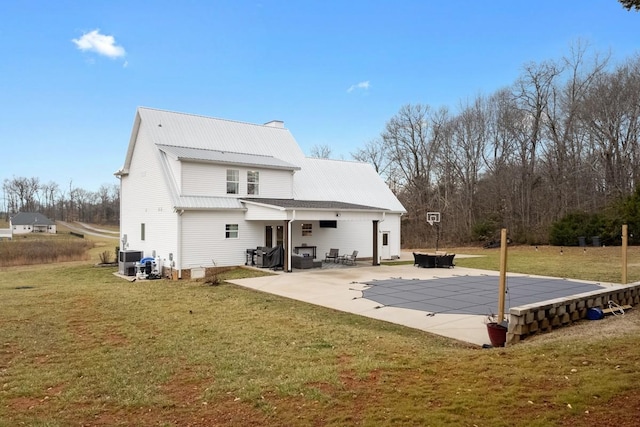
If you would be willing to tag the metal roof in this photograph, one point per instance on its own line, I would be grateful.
(203, 202)
(193, 131)
(198, 138)
(311, 204)
(226, 157)
(343, 181)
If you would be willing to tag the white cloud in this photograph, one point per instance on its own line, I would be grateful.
(100, 44)
(361, 85)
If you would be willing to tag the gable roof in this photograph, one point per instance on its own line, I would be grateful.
(170, 128)
(30, 218)
(226, 157)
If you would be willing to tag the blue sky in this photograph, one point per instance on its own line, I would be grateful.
(72, 73)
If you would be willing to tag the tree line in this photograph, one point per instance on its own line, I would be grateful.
(22, 194)
(563, 138)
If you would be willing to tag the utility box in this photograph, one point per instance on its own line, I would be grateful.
(127, 262)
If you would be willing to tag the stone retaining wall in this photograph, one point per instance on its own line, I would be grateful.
(552, 314)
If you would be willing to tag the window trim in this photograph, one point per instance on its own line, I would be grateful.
(253, 182)
(229, 231)
(235, 183)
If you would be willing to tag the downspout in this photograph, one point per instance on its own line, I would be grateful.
(288, 254)
(179, 254)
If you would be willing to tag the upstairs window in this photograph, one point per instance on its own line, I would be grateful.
(233, 181)
(253, 182)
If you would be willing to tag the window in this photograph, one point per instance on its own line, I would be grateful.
(231, 231)
(233, 181)
(307, 230)
(142, 231)
(253, 182)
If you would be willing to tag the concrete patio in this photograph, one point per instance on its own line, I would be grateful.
(449, 302)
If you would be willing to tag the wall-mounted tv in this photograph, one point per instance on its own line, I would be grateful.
(328, 224)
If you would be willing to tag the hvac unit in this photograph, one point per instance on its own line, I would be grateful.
(127, 262)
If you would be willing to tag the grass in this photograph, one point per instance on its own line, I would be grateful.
(81, 346)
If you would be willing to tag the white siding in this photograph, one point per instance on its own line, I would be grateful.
(204, 179)
(256, 212)
(175, 170)
(348, 236)
(201, 179)
(204, 243)
(146, 199)
(391, 224)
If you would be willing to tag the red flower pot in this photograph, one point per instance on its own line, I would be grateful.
(497, 334)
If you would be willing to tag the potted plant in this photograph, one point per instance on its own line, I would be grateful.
(497, 330)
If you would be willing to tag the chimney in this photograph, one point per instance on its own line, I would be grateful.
(275, 124)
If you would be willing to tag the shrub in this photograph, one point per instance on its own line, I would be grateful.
(212, 275)
(105, 257)
(568, 230)
(486, 229)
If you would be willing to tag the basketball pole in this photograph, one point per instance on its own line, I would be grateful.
(502, 284)
(625, 234)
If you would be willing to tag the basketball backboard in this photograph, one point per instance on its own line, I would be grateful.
(433, 217)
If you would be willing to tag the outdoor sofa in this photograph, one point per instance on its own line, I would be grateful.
(433, 261)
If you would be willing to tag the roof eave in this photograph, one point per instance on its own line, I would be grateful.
(255, 165)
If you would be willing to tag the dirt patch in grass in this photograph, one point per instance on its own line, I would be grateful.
(36, 404)
(621, 411)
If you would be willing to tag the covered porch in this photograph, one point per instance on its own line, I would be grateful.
(310, 229)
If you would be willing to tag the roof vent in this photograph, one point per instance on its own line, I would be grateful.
(275, 124)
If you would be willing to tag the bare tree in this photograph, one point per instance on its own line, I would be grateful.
(611, 112)
(321, 151)
(531, 92)
(631, 4)
(22, 194)
(465, 156)
(566, 167)
(413, 137)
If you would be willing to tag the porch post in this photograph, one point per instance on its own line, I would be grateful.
(375, 243)
(287, 246)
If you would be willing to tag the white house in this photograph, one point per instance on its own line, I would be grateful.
(198, 192)
(31, 222)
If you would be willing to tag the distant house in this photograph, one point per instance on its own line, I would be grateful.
(31, 222)
(200, 192)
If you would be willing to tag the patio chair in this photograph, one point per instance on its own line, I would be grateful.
(333, 254)
(445, 261)
(350, 259)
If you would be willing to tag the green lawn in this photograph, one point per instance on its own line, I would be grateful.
(79, 346)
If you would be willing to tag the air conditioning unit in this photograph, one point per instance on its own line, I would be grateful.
(127, 262)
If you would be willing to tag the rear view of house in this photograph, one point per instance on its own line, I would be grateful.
(198, 192)
(31, 222)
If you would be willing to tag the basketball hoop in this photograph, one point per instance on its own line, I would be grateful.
(433, 217)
